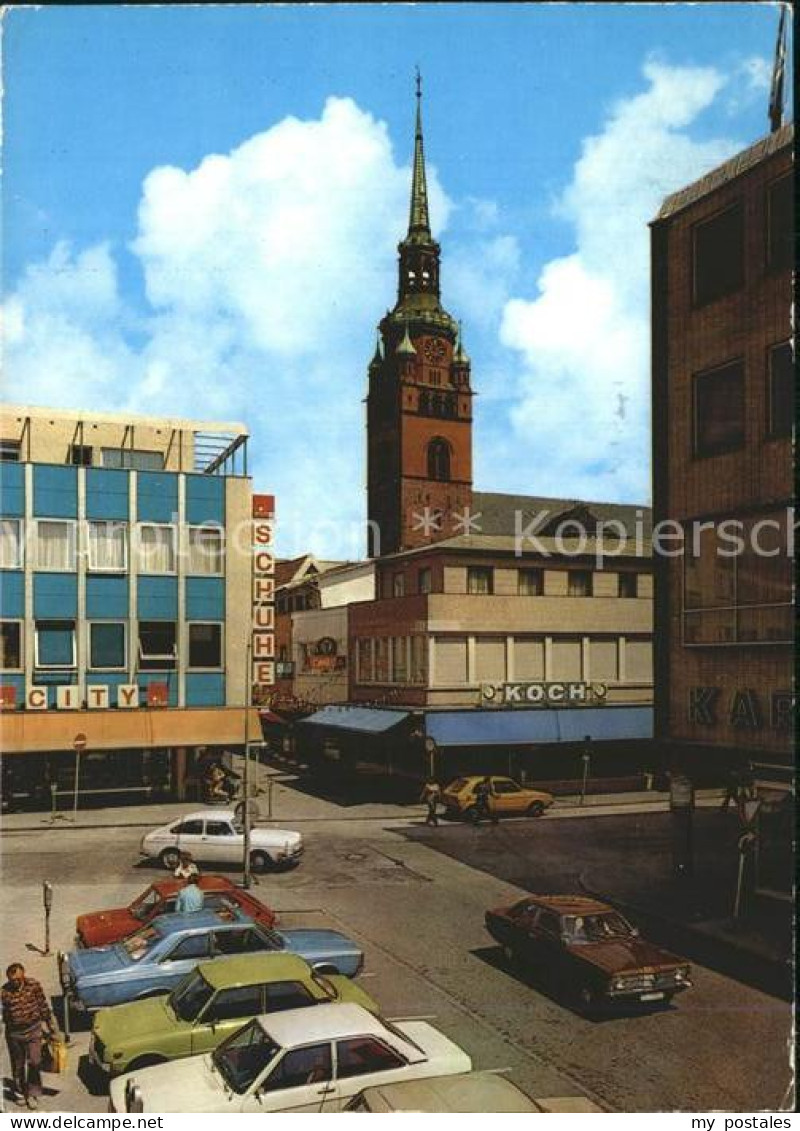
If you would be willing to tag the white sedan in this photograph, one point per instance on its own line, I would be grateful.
(214, 836)
(292, 1061)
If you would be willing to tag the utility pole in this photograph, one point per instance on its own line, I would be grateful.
(246, 877)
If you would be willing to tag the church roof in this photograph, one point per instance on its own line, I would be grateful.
(499, 512)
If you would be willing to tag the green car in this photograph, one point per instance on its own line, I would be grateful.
(211, 1002)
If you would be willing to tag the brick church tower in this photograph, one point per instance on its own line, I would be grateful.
(419, 402)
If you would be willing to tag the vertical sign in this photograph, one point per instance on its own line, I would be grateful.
(263, 675)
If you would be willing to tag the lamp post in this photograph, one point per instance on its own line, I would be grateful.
(246, 876)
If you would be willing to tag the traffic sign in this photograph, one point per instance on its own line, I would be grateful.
(79, 743)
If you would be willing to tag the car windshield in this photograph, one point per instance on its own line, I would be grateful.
(138, 945)
(244, 1056)
(190, 997)
(144, 905)
(596, 928)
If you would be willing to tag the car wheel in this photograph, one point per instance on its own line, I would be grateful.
(145, 1062)
(260, 861)
(170, 859)
(535, 809)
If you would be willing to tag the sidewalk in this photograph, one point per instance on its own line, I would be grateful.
(694, 915)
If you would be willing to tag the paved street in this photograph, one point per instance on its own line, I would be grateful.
(415, 899)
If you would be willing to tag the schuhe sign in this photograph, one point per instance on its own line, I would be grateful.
(539, 694)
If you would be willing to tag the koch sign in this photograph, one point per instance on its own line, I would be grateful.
(543, 694)
(263, 646)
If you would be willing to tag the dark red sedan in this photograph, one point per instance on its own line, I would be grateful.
(101, 928)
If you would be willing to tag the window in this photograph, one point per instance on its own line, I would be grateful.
(205, 550)
(399, 585)
(157, 648)
(205, 645)
(530, 582)
(54, 644)
(399, 659)
(627, 585)
(718, 252)
(80, 455)
(781, 391)
(439, 460)
(156, 548)
(382, 660)
(424, 581)
(218, 828)
(137, 459)
(245, 941)
(364, 1054)
(419, 659)
(10, 451)
(108, 546)
(549, 924)
(480, 579)
(302, 1067)
(107, 648)
(229, 1005)
(579, 583)
(55, 544)
(195, 946)
(364, 660)
(287, 995)
(189, 828)
(719, 410)
(780, 224)
(505, 785)
(10, 645)
(10, 543)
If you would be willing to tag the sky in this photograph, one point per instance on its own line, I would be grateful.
(202, 206)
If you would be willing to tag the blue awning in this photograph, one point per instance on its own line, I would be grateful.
(364, 719)
(520, 727)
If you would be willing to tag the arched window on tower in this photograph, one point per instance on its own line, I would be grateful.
(439, 460)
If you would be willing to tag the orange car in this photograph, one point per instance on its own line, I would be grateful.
(507, 798)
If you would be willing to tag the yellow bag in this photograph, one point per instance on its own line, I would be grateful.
(55, 1054)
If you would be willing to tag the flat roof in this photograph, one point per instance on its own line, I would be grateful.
(42, 412)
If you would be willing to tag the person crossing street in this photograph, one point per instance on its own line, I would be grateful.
(431, 796)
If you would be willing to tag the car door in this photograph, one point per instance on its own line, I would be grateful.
(508, 797)
(189, 837)
(546, 944)
(182, 957)
(224, 1014)
(302, 1080)
(220, 842)
(363, 1062)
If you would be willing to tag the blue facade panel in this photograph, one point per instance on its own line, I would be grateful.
(157, 598)
(523, 727)
(106, 493)
(55, 491)
(12, 490)
(156, 496)
(12, 593)
(144, 679)
(106, 598)
(55, 596)
(205, 499)
(205, 690)
(205, 598)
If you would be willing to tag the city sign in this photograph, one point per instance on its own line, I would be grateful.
(542, 694)
(74, 697)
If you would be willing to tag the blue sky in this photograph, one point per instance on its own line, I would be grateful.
(202, 206)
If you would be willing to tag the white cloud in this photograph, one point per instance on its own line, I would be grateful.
(583, 339)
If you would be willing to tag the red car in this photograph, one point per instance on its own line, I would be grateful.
(100, 928)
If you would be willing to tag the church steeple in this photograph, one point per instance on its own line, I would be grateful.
(419, 225)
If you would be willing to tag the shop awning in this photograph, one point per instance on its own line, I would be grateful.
(364, 719)
(522, 727)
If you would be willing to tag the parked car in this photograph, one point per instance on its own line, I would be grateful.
(300, 1060)
(159, 955)
(210, 1004)
(591, 951)
(470, 1091)
(99, 928)
(215, 836)
(507, 798)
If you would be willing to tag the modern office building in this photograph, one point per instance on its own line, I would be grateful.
(126, 601)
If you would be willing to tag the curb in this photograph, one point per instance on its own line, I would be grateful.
(735, 960)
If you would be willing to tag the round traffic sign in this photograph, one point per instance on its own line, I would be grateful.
(79, 742)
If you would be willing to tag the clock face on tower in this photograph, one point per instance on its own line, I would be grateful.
(435, 351)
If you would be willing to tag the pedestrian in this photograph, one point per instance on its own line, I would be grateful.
(26, 1011)
(186, 867)
(431, 796)
(483, 791)
(732, 789)
(190, 898)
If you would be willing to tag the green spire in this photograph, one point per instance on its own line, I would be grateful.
(377, 357)
(418, 221)
(406, 347)
(460, 355)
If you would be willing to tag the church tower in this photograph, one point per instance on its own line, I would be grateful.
(419, 400)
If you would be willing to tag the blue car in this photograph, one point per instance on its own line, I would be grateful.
(158, 956)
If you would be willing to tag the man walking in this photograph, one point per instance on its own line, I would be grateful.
(25, 1011)
(190, 898)
(483, 791)
(431, 796)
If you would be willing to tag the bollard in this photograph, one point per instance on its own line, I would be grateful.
(47, 899)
